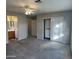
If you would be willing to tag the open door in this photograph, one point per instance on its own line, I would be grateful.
(47, 28)
(12, 27)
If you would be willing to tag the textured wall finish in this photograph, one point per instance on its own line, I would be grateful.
(67, 19)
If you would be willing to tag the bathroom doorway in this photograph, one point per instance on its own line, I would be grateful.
(12, 27)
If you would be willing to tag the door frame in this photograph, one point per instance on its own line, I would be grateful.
(16, 31)
(44, 28)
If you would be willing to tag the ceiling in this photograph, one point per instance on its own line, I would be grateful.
(44, 7)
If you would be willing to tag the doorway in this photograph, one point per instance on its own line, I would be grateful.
(47, 28)
(12, 27)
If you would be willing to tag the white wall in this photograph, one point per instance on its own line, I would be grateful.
(40, 28)
(7, 33)
(22, 31)
(22, 27)
(40, 23)
(34, 27)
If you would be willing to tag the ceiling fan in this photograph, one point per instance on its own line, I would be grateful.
(28, 7)
(38, 1)
(28, 10)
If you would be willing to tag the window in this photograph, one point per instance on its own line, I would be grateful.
(58, 31)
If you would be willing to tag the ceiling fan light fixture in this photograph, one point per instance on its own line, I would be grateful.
(28, 11)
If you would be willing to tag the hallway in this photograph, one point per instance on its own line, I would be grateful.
(33, 48)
